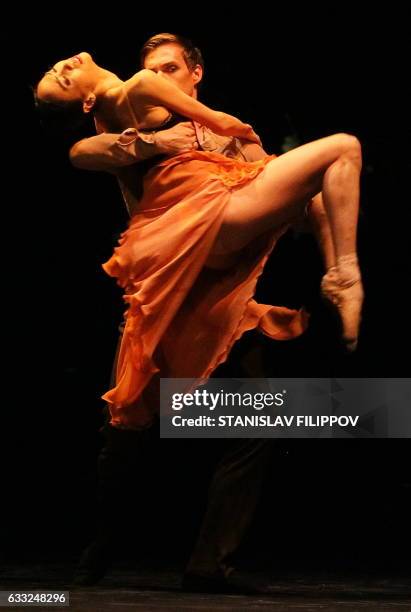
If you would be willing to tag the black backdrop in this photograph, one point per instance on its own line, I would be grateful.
(325, 499)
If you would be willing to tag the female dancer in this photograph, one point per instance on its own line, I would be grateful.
(183, 316)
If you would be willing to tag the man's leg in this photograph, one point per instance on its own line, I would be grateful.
(232, 499)
(119, 474)
(118, 469)
(236, 484)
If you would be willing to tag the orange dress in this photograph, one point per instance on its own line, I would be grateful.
(183, 318)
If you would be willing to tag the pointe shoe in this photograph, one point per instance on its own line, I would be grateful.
(342, 287)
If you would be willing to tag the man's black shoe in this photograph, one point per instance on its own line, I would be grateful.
(234, 585)
(94, 564)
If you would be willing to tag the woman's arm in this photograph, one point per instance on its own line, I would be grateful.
(147, 87)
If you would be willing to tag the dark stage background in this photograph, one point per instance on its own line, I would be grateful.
(326, 501)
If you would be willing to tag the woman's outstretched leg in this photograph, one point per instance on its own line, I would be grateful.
(331, 165)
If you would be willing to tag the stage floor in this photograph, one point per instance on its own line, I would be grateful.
(131, 588)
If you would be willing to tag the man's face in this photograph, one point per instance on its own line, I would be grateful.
(168, 61)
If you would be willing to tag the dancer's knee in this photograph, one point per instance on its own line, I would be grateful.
(349, 147)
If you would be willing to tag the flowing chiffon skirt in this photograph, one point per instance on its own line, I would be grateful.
(183, 318)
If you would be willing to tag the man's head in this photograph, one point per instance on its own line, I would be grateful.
(175, 58)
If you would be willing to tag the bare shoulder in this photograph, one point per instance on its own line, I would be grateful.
(141, 81)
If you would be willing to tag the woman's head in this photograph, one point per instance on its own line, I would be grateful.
(70, 82)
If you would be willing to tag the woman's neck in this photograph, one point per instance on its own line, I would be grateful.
(107, 91)
(105, 82)
(109, 112)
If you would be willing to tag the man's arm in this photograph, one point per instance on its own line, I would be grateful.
(109, 152)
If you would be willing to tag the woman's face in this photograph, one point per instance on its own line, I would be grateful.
(68, 80)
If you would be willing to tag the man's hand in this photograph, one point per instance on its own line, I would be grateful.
(178, 139)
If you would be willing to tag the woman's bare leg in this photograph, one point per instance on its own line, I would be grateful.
(316, 221)
(321, 228)
(342, 281)
(331, 165)
(280, 192)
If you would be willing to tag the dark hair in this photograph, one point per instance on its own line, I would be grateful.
(192, 54)
(61, 116)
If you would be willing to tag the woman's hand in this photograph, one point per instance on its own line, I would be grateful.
(227, 125)
(250, 135)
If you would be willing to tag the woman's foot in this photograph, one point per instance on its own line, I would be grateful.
(342, 287)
